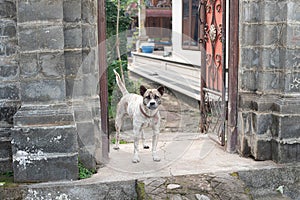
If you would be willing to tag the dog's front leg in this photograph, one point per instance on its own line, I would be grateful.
(155, 157)
(136, 135)
(143, 140)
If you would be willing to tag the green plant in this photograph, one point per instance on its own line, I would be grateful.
(6, 178)
(7, 174)
(83, 172)
(118, 21)
(113, 141)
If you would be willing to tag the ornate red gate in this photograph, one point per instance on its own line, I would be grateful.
(213, 89)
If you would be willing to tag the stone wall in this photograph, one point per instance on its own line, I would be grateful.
(269, 74)
(49, 79)
(9, 75)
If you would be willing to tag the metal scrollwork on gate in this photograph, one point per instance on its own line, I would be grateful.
(212, 33)
(213, 103)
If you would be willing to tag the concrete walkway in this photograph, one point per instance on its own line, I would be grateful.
(181, 154)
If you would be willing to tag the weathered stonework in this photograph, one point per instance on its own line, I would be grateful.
(269, 86)
(48, 93)
(9, 87)
(5, 151)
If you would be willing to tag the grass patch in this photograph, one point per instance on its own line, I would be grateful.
(6, 178)
(113, 141)
(84, 172)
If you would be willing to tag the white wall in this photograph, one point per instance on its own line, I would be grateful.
(189, 56)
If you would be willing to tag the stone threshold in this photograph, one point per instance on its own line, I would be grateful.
(277, 183)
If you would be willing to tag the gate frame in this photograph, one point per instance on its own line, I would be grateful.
(103, 85)
(233, 62)
(230, 110)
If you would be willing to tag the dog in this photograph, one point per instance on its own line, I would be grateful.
(143, 110)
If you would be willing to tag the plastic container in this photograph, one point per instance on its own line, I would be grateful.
(147, 49)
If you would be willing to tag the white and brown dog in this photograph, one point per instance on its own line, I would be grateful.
(143, 110)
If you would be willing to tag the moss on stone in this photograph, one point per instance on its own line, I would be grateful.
(141, 193)
(234, 174)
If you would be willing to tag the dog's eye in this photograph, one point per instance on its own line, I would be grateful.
(156, 97)
(147, 97)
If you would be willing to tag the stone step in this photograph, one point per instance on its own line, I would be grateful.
(80, 190)
(219, 185)
(45, 153)
(50, 115)
(5, 150)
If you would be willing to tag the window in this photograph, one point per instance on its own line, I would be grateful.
(190, 24)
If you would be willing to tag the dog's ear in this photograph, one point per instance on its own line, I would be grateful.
(161, 90)
(143, 89)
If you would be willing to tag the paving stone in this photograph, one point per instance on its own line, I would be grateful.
(157, 182)
(176, 197)
(158, 191)
(173, 186)
(201, 197)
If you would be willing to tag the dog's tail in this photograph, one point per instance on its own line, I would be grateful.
(120, 83)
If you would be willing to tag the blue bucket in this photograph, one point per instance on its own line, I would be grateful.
(147, 49)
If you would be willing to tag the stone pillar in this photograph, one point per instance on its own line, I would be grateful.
(44, 142)
(82, 75)
(49, 100)
(9, 87)
(269, 92)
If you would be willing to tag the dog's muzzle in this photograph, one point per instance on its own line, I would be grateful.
(152, 105)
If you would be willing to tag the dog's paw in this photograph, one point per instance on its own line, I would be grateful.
(116, 148)
(146, 147)
(136, 159)
(156, 158)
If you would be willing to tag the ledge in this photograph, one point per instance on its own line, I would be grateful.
(171, 72)
(158, 55)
